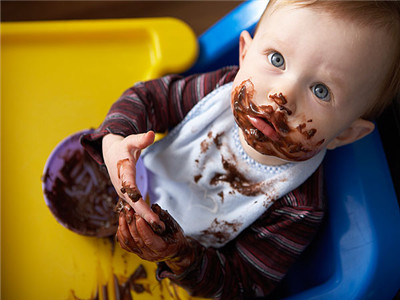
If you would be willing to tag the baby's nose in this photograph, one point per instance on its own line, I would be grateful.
(282, 102)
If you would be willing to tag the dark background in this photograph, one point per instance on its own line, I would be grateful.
(198, 14)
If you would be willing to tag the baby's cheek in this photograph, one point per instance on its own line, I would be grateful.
(296, 147)
(309, 135)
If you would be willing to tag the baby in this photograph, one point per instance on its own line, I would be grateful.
(240, 170)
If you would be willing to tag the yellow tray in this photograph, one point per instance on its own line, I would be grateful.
(59, 78)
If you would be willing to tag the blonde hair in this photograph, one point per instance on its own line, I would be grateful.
(382, 15)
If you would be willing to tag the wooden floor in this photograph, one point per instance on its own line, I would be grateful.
(198, 14)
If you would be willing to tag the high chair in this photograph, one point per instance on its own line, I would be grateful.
(61, 77)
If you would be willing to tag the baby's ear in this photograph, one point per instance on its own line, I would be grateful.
(357, 130)
(244, 44)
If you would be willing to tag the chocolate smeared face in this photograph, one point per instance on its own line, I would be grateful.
(267, 128)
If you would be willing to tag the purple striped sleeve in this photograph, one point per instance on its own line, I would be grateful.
(254, 263)
(155, 105)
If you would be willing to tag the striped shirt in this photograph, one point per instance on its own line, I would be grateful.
(255, 262)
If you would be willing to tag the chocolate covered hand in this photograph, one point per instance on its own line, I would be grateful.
(120, 156)
(171, 246)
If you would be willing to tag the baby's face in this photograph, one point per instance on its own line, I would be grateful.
(304, 81)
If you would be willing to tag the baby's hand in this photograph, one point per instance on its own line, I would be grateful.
(171, 246)
(120, 156)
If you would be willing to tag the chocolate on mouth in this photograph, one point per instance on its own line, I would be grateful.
(267, 129)
(269, 123)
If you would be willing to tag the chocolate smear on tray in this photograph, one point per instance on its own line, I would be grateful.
(123, 290)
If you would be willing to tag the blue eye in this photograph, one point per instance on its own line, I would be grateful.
(321, 91)
(276, 59)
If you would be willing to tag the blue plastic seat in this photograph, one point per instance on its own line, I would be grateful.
(356, 255)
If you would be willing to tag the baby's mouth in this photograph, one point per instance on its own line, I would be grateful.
(268, 130)
(265, 127)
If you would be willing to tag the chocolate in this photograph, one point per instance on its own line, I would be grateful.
(196, 178)
(119, 206)
(123, 290)
(82, 196)
(220, 230)
(104, 291)
(120, 163)
(237, 180)
(217, 140)
(205, 144)
(281, 101)
(132, 192)
(139, 273)
(171, 227)
(308, 134)
(232, 176)
(221, 194)
(284, 145)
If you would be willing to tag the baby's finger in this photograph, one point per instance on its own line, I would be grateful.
(131, 221)
(133, 197)
(127, 167)
(149, 238)
(140, 141)
(143, 210)
(121, 243)
(126, 172)
(123, 234)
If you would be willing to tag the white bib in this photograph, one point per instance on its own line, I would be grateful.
(200, 173)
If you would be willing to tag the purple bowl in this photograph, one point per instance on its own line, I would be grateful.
(79, 192)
